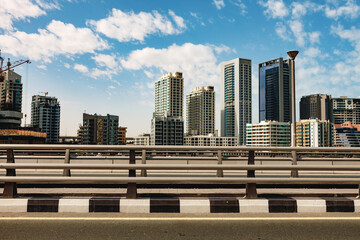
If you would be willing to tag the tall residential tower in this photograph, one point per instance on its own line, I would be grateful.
(45, 115)
(235, 98)
(200, 111)
(167, 125)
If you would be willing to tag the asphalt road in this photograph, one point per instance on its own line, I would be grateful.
(175, 226)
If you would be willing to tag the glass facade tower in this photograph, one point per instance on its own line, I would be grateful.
(275, 90)
(235, 98)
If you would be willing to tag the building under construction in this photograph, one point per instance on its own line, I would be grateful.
(11, 90)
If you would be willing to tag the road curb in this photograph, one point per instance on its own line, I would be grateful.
(176, 205)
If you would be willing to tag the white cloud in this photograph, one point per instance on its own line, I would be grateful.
(314, 37)
(219, 4)
(103, 60)
(298, 30)
(149, 74)
(107, 66)
(282, 31)
(241, 5)
(315, 75)
(58, 38)
(352, 34)
(178, 20)
(312, 52)
(298, 10)
(130, 26)
(198, 18)
(351, 9)
(275, 8)
(197, 62)
(17, 10)
(81, 68)
(111, 87)
(47, 5)
(222, 49)
(43, 67)
(301, 36)
(67, 65)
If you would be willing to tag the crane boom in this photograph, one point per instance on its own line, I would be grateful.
(9, 66)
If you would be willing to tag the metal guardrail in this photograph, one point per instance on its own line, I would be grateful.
(144, 153)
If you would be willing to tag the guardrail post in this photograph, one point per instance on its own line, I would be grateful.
(67, 172)
(10, 189)
(294, 173)
(143, 161)
(220, 172)
(251, 187)
(131, 188)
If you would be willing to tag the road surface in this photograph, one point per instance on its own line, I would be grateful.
(179, 226)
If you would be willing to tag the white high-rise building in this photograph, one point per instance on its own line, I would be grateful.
(200, 111)
(167, 125)
(235, 98)
(169, 90)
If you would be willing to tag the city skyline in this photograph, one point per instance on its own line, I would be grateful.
(191, 38)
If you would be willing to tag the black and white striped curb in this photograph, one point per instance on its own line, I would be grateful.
(175, 205)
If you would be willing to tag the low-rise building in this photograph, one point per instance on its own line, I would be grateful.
(97, 129)
(347, 135)
(268, 134)
(210, 140)
(314, 133)
(122, 135)
(142, 139)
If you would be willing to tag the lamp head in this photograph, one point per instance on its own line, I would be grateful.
(292, 54)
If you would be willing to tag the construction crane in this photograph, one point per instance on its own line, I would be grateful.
(10, 65)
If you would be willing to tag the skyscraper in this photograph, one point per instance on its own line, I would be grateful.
(275, 90)
(200, 111)
(235, 98)
(97, 129)
(167, 125)
(346, 109)
(45, 115)
(316, 106)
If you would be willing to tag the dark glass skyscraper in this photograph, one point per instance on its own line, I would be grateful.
(275, 90)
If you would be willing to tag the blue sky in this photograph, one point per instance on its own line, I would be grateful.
(104, 56)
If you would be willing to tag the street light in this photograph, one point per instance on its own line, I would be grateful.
(292, 54)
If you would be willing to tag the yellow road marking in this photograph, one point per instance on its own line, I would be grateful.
(175, 218)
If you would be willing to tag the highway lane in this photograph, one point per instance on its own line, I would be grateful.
(179, 226)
